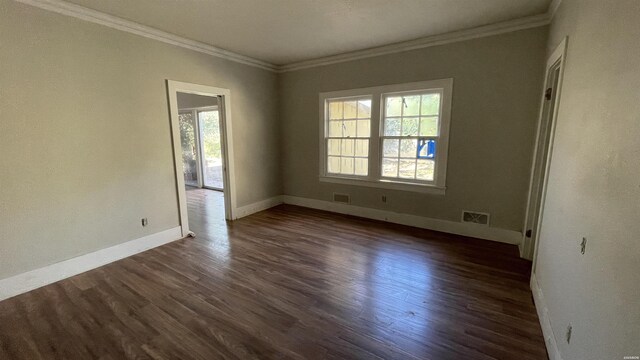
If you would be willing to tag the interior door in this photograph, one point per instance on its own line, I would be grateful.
(211, 148)
(542, 156)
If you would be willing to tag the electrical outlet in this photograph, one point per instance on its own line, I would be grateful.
(145, 221)
(583, 245)
(569, 330)
(384, 198)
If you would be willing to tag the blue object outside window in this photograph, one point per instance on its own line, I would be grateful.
(426, 149)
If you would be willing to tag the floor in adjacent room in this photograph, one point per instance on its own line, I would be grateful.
(287, 283)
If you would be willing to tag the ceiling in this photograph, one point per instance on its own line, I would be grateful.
(288, 31)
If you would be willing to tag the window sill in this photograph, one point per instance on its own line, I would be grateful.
(382, 184)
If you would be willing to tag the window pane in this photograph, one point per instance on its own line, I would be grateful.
(394, 106)
(425, 170)
(429, 126)
(333, 147)
(347, 147)
(211, 145)
(362, 167)
(364, 128)
(409, 148)
(350, 109)
(349, 128)
(430, 104)
(410, 126)
(335, 110)
(392, 127)
(407, 169)
(390, 147)
(346, 166)
(362, 147)
(188, 141)
(335, 128)
(333, 164)
(364, 109)
(411, 106)
(389, 167)
(348, 132)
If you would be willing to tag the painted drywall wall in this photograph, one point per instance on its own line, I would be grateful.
(496, 92)
(594, 184)
(192, 101)
(85, 137)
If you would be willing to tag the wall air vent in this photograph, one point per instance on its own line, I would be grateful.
(341, 198)
(474, 217)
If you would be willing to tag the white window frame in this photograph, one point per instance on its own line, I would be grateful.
(326, 136)
(378, 94)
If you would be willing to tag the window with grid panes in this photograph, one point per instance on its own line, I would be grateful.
(410, 135)
(392, 136)
(348, 134)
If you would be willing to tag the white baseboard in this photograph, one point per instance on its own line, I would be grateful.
(545, 322)
(34, 279)
(257, 207)
(452, 227)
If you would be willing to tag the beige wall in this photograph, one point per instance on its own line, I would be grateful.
(85, 140)
(496, 91)
(594, 184)
(85, 146)
(191, 101)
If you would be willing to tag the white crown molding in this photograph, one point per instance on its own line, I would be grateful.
(441, 39)
(97, 17)
(553, 8)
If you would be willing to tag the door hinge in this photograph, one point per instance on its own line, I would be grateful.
(528, 233)
(547, 94)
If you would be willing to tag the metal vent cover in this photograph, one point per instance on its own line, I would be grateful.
(342, 198)
(474, 217)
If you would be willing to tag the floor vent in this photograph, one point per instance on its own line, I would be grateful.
(341, 198)
(474, 217)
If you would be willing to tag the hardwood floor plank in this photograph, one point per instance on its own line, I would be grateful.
(287, 283)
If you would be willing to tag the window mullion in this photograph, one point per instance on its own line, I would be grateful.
(375, 142)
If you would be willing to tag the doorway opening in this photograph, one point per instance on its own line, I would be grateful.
(201, 135)
(201, 141)
(543, 151)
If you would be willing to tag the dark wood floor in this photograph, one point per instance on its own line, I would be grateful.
(286, 283)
